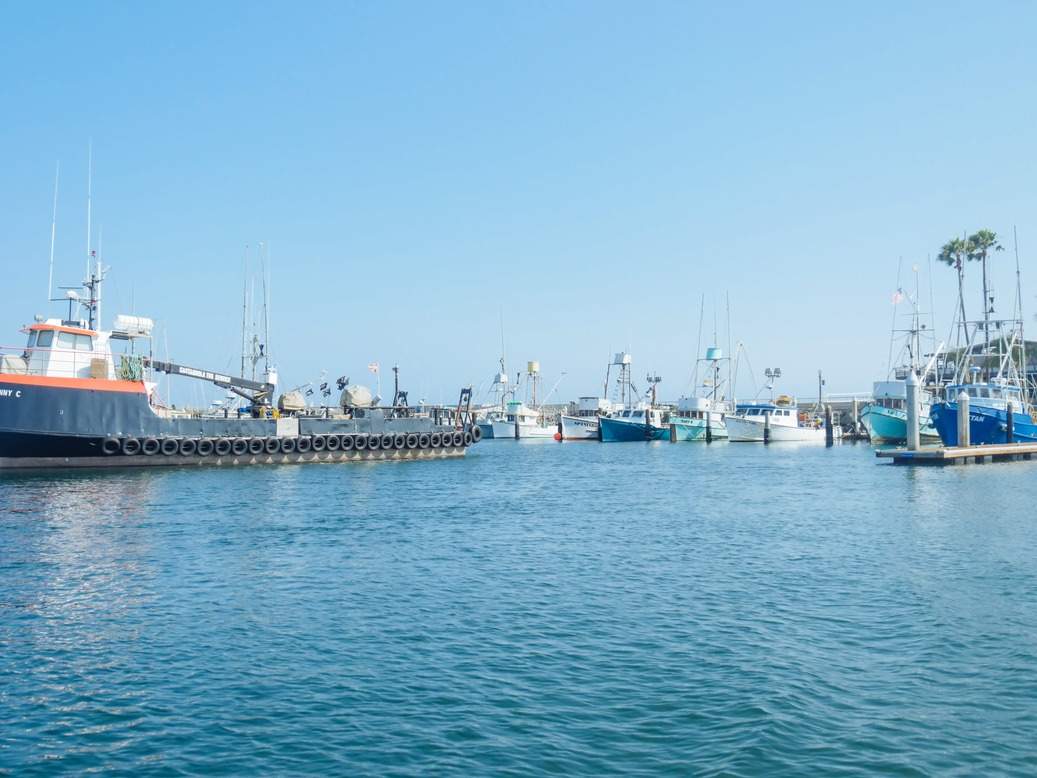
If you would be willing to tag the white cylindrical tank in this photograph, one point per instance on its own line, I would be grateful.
(140, 326)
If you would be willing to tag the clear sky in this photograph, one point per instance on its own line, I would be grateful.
(589, 168)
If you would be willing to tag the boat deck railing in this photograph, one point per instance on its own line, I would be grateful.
(56, 362)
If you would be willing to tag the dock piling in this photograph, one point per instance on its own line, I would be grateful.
(963, 419)
(709, 427)
(1010, 425)
(829, 432)
(913, 411)
(766, 427)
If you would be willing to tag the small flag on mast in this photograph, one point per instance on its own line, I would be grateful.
(373, 367)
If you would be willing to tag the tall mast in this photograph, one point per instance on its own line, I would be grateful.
(244, 310)
(265, 266)
(1019, 306)
(986, 309)
(53, 232)
(730, 376)
(97, 297)
(89, 194)
(698, 344)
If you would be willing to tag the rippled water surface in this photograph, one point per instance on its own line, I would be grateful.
(565, 608)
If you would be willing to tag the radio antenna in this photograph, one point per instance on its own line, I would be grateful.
(53, 232)
(89, 193)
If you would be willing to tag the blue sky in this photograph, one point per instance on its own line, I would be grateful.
(591, 169)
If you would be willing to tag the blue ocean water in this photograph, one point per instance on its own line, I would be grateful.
(566, 608)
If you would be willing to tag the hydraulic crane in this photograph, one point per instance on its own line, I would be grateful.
(259, 393)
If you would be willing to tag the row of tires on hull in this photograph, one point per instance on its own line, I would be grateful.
(269, 446)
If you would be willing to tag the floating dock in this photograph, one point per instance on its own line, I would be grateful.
(959, 455)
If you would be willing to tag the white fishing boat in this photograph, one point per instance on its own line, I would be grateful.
(779, 421)
(584, 424)
(523, 420)
(520, 421)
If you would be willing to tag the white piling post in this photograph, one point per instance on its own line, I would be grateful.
(963, 419)
(913, 412)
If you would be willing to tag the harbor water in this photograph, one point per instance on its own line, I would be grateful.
(570, 608)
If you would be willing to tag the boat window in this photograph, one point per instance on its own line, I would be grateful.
(84, 343)
(66, 340)
(984, 392)
(45, 339)
(972, 392)
(32, 339)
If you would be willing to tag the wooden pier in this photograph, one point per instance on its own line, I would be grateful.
(959, 455)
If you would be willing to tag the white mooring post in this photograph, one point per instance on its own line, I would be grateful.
(963, 419)
(913, 412)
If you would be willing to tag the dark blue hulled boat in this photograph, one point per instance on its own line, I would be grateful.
(633, 425)
(988, 414)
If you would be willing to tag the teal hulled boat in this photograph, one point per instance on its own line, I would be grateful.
(886, 417)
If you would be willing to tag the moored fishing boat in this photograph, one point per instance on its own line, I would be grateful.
(645, 421)
(990, 370)
(69, 400)
(697, 418)
(634, 424)
(701, 417)
(988, 414)
(777, 422)
(885, 417)
(584, 423)
(522, 422)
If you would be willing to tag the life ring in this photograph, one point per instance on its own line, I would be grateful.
(272, 445)
(476, 433)
(334, 442)
(205, 447)
(304, 444)
(359, 442)
(320, 442)
(150, 447)
(169, 446)
(110, 446)
(424, 440)
(288, 445)
(435, 440)
(223, 447)
(189, 446)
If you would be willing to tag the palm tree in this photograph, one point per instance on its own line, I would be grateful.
(980, 244)
(954, 253)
